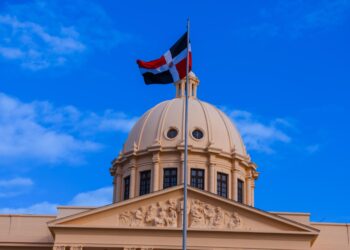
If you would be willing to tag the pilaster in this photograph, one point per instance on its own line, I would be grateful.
(115, 189)
(76, 248)
(59, 247)
(234, 174)
(252, 192)
(181, 168)
(249, 190)
(132, 178)
(211, 179)
(119, 180)
(155, 178)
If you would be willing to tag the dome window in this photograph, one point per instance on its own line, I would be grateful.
(198, 134)
(172, 133)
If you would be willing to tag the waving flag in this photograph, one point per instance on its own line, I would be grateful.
(170, 67)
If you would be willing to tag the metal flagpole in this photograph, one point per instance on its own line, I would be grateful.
(184, 217)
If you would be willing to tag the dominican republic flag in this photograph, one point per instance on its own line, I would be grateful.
(170, 67)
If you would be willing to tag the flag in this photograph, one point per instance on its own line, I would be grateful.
(170, 67)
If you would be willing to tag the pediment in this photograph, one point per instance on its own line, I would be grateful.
(163, 210)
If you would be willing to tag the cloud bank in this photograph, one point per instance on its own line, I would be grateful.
(296, 18)
(258, 135)
(42, 34)
(14, 187)
(42, 132)
(98, 197)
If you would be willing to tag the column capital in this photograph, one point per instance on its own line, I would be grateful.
(212, 158)
(59, 247)
(182, 157)
(249, 175)
(132, 162)
(234, 170)
(76, 248)
(155, 157)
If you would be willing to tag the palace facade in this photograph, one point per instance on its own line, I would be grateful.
(147, 207)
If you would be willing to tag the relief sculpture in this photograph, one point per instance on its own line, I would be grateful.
(204, 215)
(162, 214)
(168, 214)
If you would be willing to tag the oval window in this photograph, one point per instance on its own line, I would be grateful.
(198, 134)
(172, 133)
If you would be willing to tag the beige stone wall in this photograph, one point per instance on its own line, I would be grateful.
(25, 230)
(332, 236)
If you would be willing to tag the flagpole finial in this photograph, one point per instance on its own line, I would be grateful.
(193, 85)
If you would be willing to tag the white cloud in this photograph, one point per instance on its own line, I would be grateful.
(99, 197)
(296, 18)
(38, 208)
(24, 135)
(42, 34)
(110, 121)
(49, 134)
(15, 182)
(257, 135)
(14, 187)
(311, 149)
(11, 53)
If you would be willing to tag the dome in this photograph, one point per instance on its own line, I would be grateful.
(163, 126)
(153, 156)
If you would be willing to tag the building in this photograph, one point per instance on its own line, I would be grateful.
(146, 212)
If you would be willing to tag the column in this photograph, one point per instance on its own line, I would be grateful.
(212, 178)
(253, 189)
(115, 189)
(132, 181)
(234, 172)
(181, 168)
(155, 172)
(249, 190)
(211, 175)
(59, 247)
(195, 90)
(76, 248)
(119, 187)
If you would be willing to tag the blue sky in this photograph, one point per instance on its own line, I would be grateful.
(70, 91)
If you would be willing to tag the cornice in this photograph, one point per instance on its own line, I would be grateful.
(244, 160)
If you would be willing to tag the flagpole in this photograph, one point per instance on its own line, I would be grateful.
(184, 217)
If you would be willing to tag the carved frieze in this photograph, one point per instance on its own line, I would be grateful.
(205, 215)
(168, 214)
(161, 214)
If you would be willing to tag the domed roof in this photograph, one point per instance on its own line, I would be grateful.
(152, 129)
